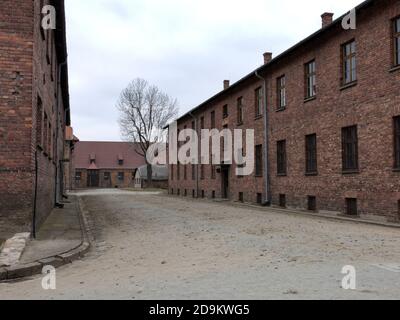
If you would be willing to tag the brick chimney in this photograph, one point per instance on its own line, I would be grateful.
(327, 19)
(226, 84)
(267, 57)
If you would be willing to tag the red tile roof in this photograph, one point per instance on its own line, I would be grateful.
(106, 155)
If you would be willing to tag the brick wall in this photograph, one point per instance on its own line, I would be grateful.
(28, 64)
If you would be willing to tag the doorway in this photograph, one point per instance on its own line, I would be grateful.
(93, 179)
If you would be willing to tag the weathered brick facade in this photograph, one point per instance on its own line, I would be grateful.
(34, 109)
(370, 103)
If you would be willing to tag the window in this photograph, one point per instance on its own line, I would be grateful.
(259, 161)
(349, 63)
(281, 157)
(120, 162)
(213, 195)
(213, 120)
(39, 122)
(193, 172)
(133, 175)
(121, 176)
(193, 194)
(202, 173)
(184, 172)
(240, 110)
(50, 141)
(259, 198)
(241, 197)
(213, 172)
(396, 142)
(202, 123)
(106, 176)
(282, 200)
(311, 203)
(311, 79)
(78, 176)
(178, 192)
(396, 42)
(351, 207)
(203, 194)
(45, 134)
(178, 173)
(185, 193)
(350, 149)
(311, 154)
(259, 102)
(225, 111)
(281, 92)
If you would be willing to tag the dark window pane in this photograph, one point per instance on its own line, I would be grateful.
(281, 157)
(350, 148)
(311, 153)
(397, 142)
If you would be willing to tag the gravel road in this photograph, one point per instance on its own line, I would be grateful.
(153, 246)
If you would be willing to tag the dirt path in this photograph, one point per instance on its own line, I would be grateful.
(151, 246)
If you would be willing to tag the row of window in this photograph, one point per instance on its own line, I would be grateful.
(349, 151)
(45, 135)
(106, 176)
(348, 77)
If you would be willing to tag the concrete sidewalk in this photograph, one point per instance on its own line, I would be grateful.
(60, 233)
(61, 240)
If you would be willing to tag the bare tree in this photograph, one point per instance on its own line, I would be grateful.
(144, 111)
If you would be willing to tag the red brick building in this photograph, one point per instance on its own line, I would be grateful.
(105, 164)
(330, 123)
(34, 110)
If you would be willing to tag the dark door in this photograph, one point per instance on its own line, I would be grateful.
(93, 179)
(225, 182)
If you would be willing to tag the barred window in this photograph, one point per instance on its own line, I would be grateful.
(225, 111)
(311, 154)
(350, 148)
(396, 41)
(397, 142)
(281, 157)
(240, 110)
(259, 161)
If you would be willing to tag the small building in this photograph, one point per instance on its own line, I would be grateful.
(160, 177)
(105, 164)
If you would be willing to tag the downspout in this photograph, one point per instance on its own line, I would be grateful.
(35, 197)
(57, 161)
(198, 154)
(268, 197)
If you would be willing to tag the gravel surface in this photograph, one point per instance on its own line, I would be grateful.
(152, 246)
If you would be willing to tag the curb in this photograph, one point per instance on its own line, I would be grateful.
(36, 267)
(294, 212)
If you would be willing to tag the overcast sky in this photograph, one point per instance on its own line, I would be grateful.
(185, 47)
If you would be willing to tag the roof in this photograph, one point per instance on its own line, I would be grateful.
(159, 173)
(106, 155)
(286, 53)
(62, 54)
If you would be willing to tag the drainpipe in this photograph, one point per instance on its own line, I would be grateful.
(35, 197)
(198, 155)
(268, 197)
(57, 161)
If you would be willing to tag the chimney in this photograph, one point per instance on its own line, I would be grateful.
(267, 57)
(226, 84)
(327, 19)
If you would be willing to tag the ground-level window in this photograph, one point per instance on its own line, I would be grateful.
(241, 197)
(312, 203)
(121, 176)
(203, 194)
(351, 207)
(259, 198)
(282, 200)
